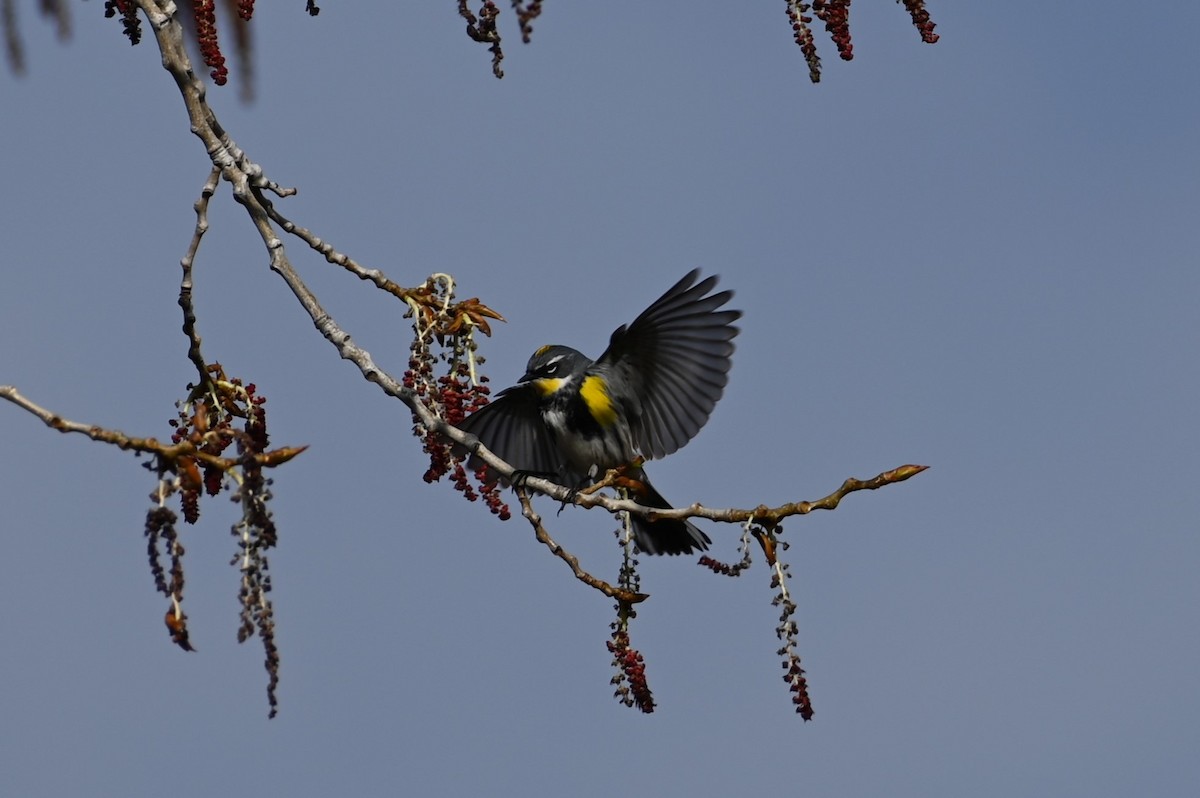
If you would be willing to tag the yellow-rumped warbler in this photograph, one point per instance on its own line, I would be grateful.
(571, 418)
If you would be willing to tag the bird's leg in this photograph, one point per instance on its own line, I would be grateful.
(520, 477)
(574, 494)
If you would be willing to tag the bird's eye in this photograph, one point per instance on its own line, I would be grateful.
(551, 366)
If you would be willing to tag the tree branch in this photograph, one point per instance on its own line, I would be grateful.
(626, 596)
(185, 283)
(591, 497)
(169, 452)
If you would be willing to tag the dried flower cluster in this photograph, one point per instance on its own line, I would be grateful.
(787, 631)
(726, 569)
(219, 414)
(767, 537)
(526, 14)
(160, 530)
(256, 534)
(444, 341)
(201, 17)
(835, 14)
(205, 14)
(802, 34)
(632, 689)
(921, 19)
(130, 22)
(483, 29)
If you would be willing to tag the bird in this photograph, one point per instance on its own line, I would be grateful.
(571, 419)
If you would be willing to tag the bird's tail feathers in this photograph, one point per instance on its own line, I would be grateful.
(665, 535)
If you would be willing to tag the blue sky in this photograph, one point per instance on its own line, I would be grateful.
(979, 256)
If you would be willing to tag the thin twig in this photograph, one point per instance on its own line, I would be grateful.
(171, 452)
(622, 595)
(332, 255)
(185, 283)
(589, 497)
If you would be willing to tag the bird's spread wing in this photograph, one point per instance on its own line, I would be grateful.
(674, 358)
(512, 427)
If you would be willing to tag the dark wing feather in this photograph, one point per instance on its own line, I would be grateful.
(675, 360)
(512, 427)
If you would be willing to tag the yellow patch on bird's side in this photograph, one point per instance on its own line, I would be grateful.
(594, 391)
(547, 386)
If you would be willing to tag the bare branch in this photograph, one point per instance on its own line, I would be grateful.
(331, 255)
(590, 497)
(185, 284)
(169, 452)
(624, 596)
